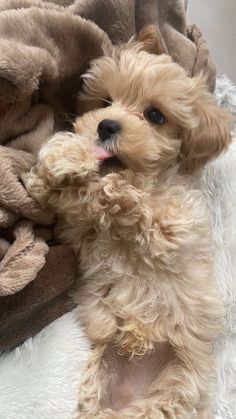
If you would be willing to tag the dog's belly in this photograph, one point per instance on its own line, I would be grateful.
(129, 379)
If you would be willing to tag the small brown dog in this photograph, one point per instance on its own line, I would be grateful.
(122, 189)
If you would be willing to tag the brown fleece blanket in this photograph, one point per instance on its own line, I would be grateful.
(44, 48)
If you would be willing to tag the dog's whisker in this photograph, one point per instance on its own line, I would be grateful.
(105, 100)
(69, 117)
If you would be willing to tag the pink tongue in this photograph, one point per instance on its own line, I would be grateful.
(102, 154)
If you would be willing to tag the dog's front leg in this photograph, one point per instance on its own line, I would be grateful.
(67, 157)
(64, 160)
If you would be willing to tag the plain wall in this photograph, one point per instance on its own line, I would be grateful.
(217, 20)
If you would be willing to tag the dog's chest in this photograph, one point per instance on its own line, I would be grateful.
(115, 251)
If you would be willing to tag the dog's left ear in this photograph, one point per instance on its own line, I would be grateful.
(210, 137)
(151, 39)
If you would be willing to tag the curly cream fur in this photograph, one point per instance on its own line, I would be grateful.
(147, 297)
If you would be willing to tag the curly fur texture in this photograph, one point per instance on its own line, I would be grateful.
(148, 297)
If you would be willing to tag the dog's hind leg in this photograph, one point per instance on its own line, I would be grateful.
(91, 387)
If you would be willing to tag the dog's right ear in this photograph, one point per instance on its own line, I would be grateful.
(152, 40)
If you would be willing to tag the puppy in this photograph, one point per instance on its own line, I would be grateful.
(126, 200)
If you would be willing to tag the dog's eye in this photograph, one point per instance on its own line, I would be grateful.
(154, 115)
(107, 102)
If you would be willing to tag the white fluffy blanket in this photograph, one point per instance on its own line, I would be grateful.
(219, 187)
(40, 379)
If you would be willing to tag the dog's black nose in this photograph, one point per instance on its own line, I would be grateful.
(107, 128)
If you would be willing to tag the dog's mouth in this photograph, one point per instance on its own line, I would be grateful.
(109, 162)
(111, 165)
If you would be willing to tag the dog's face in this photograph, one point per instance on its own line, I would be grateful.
(143, 112)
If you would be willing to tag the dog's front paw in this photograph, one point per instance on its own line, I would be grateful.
(66, 157)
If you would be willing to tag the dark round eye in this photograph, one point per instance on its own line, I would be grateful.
(154, 115)
(107, 102)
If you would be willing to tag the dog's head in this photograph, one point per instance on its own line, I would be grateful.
(143, 112)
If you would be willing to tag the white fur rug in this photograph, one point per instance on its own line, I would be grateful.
(40, 380)
(219, 187)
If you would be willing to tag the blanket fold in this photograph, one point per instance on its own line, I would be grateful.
(26, 312)
(45, 47)
(23, 259)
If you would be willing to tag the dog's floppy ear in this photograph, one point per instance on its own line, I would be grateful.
(151, 39)
(210, 137)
